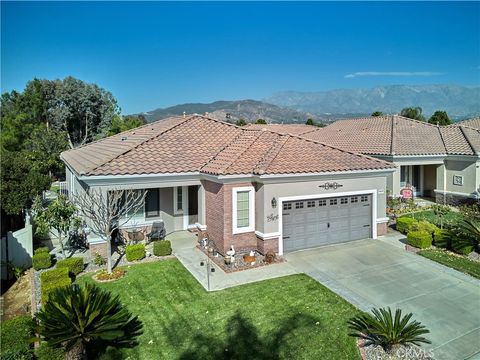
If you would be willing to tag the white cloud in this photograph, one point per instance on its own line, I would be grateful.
(392, 73)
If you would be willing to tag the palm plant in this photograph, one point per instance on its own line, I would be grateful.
(77, 318)
(471, 228)
(388, 331)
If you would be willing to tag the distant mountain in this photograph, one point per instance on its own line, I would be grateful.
(459, 101)
(249, 110)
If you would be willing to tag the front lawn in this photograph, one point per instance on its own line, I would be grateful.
(292, 317)
(456, 262)
(451, 217)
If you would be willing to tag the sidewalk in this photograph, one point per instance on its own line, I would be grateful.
(184, 248)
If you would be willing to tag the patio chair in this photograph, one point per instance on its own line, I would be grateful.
(158, 231)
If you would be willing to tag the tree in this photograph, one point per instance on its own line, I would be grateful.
(87, 319)
(310, 122)
(124, 123)
(261, 122)
(58, 215)
(377, 113)
(241, 122)
(440, 118)
(108, 211)
(21, 181)
(414, 113)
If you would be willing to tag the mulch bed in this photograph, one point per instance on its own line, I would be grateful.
(239, 264)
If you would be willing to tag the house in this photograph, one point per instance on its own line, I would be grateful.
(441, 162)
(247, 187)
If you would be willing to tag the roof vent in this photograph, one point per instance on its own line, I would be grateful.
(124, 138)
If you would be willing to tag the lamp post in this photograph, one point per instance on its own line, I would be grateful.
(209, 268)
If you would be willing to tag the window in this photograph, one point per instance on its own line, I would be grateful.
(333, 201)
(364, 198)
(287, 206)
(354, 199)
(322, 202)
(178, 200)
(344, 200)
(299, 205)
(121, 203)
(152, 203)
(310, 204)
(243, 211)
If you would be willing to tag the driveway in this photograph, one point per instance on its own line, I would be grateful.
(375, 273)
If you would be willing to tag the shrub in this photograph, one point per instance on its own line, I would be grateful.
(15, 334)
(423, 226)
(387, 330)
(135, 252)
(74, 265)
(98, 259)
(419, 239)
(442, 238)
(162, 248)
(42, 249)
(463, 244)
(41, 260)
(404, 223)
(53, 279)
(45, 352)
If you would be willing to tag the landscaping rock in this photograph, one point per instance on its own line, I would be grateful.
(410, 352)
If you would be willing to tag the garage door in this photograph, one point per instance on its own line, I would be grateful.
(316, 222)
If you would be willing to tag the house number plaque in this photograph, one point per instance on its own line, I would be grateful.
(328, 186)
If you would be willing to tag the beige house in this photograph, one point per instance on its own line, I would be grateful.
(440, 162)
(251, 188)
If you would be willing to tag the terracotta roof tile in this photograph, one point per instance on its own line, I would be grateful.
(472, 123)
(292, 129)
(201, 144)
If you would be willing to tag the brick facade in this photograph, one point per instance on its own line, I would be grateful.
(452, 199)
(382, 229)
(100, 248)
(267, 245)
(218, 216)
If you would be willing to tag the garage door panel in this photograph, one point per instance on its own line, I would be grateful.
(317, 222)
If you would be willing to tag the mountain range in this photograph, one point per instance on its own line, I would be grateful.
(460, 102)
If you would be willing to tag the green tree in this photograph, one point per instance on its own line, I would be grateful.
(241, 122)
(124, 123)
(310, 122)
(414, 113)
(21, 181)
(86, 320)
(440, 118)
(377, 113)
(261, 122)
(58, 215)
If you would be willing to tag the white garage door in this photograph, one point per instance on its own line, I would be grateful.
(316, 222)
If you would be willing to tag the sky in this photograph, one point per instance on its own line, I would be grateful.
(158, 54)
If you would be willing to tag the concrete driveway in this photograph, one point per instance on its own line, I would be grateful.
(375, 273)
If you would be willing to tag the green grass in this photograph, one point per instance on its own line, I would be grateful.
(292, 317)
(451, 217)
(456, 262)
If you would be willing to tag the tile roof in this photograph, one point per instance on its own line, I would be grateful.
(292, 129)
(396, 135)
(201, 144)
(472, 123)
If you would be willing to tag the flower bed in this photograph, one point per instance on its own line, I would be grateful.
(240, 263)
(104, 276)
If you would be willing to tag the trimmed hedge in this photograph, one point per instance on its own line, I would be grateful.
(135, 252)
(419, 239)
(52, 280)
(404, 223)
(15, 334)
(74, 265)
(45, 352)
(162, 248)
(42, 260)
(42, 249)
(424, 226)
(442, 238)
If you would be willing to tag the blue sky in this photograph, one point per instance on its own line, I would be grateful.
(155, 54)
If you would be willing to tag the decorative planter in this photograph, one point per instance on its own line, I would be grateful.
(228, 260)
(249, 258)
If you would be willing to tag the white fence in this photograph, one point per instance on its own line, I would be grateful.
(17, 248)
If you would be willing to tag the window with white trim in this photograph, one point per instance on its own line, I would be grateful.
(178, 200)
(243, 209)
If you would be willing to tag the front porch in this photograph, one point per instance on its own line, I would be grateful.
(422, 178)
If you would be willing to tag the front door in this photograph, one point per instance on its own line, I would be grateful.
(193, 204)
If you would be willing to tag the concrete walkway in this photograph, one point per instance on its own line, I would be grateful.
(184, 248)
(379, 273)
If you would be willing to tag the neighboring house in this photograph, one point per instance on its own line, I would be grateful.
(471, 123)
(247, 187)
(442, 162)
